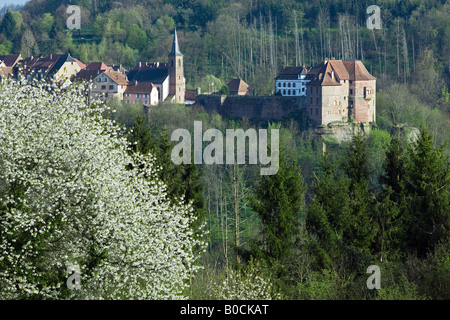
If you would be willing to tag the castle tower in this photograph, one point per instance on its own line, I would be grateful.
(176, 71)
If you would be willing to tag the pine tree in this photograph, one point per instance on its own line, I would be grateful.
(278, 200)
(8, 25)
(428, 186)
(329, 213)
(391, 203)
(362, 230)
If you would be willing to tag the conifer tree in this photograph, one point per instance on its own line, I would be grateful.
(329, 213)
(361, 230)
(428, 186)
(278, 200)
(391, 203)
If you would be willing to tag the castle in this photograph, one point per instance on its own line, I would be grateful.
(336, 90)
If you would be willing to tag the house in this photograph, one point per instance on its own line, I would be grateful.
(291, 81)
(340, 91)
(167, 77)
(155, 73)
(54, 67)
(145, 93)
(238, 87)
(110, 85)
(10, 60)
(97, 66)
(91, 71)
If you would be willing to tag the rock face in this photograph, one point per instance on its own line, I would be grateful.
(342, 132)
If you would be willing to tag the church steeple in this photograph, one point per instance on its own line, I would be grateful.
(175, 48)
(177, 84)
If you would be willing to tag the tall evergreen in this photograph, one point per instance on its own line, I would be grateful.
(8, 25)
(428, 186)
(278, 200)
(391, 204)
(362, 230)
(329, 212)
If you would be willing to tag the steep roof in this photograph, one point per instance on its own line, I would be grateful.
(154, 75)
(357, 70)
(115, 76)
(175, 47)
(140, 87)
(86, 75)
(238, 85)
(291, 73)
(10, 60)
(97, 66)
(325, 72)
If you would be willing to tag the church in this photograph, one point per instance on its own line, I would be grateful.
(168, 78)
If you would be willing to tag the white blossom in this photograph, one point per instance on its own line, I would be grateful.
(70, 193)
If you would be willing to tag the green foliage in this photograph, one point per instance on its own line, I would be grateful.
(278, 200)
(428, 187)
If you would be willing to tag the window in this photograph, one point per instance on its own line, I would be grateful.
(106, 95)
(145, 95)
(103, 87)
(303, 89)
(284, 84)
(138, 95)
(146, 101)
(179, 63)
(351, 91)
(111, 87)
(294, 85)
(289, 84)
(317, 112)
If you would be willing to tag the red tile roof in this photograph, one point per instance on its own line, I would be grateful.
(97, 66)
(141, 87)
(117, 77)
(238, 85)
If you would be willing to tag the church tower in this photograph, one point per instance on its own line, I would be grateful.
(176, 71)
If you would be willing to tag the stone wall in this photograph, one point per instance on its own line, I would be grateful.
(259, 108)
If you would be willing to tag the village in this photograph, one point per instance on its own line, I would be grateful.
(333, 91)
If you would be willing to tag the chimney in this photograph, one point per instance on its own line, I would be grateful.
(199, 91)
(140, 64)
(325, 61)
(332, 74)
(51, 55)
(135, 82)
(157, 64)
(332, 58)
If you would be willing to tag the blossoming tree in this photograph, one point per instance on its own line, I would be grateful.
(71, 194)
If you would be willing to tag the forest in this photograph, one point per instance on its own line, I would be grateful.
(308, 232)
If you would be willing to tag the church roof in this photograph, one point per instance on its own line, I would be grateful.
(155, 75)
(175, 47)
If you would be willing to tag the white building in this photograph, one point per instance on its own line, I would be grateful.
(291, 81)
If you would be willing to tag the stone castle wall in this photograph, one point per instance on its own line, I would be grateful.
(252, 107)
